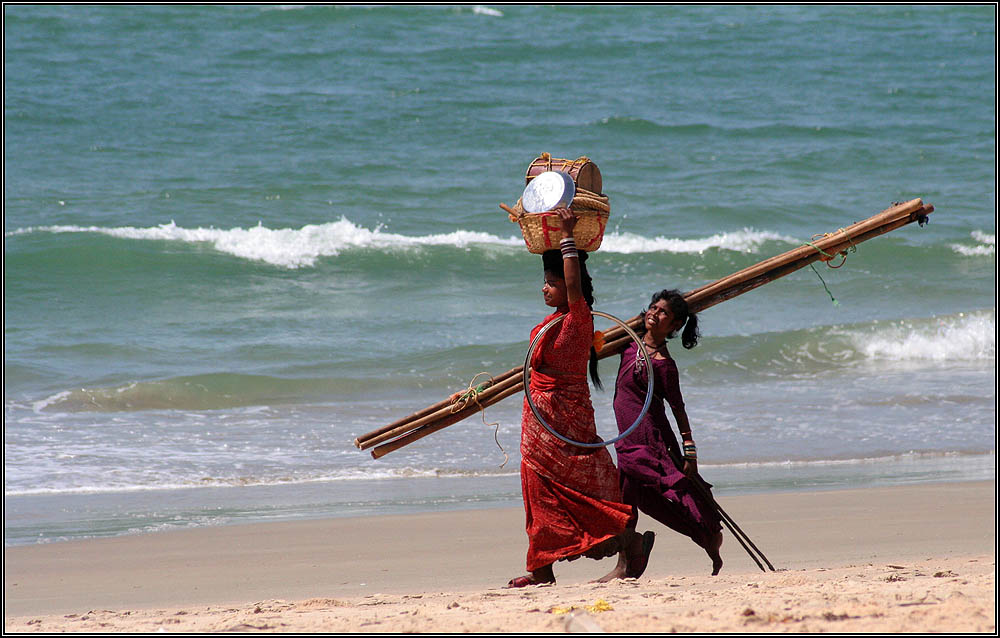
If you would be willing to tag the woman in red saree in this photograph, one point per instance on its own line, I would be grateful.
(572, 498)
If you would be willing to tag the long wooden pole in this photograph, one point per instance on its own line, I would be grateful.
(422, 413)
(482, 398)
(442, 414)
(770, 269)
(424, 430)
(712, 294)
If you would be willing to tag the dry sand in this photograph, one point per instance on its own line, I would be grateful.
(902, 559)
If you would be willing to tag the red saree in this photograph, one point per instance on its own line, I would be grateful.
(572, 499)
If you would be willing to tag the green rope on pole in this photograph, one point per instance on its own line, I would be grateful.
(472, 393)
(825, 287)
(819, 250)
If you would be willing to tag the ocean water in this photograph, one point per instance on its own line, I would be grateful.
(237, 237)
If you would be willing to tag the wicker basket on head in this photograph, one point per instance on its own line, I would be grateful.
(542, 231)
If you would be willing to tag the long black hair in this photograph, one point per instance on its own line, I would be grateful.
(552, 262)
(679, 309)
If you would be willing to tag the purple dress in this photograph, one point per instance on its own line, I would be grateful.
(650, 478)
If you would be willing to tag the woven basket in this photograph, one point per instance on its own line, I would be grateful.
(543, 231)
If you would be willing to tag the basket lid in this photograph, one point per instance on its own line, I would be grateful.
(551, 189)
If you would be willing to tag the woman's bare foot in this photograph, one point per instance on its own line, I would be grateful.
(633, 558)
(638, 562)
(713, 553)
(617, 572)
(542, 576)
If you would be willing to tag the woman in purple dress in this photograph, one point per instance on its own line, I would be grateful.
(657, 476)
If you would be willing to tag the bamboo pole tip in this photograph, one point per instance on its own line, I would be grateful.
(913, 204)
(357, 443)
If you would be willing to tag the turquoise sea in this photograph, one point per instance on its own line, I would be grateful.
(237, 237)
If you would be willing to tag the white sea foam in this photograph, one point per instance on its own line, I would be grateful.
(987, 245)
(142, 483)
(486, 11)
(286, 247)
(389, 474)
(746, 240)
(963, 337)
(302, 247)
(39, 406)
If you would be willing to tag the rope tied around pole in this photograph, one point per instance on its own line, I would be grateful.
(461, 400)
(827, 258)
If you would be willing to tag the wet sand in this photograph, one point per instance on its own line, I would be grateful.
(900, 559)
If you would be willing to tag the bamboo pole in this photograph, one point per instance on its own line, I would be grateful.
(423, 431)
(832, 243)
(894, 213)
(422, 413)
(776, 267)
(708, 296)
(442, 414)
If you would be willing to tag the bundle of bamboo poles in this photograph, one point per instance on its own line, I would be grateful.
(454, 409)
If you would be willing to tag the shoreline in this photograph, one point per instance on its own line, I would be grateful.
(468, 554)
(46, 517)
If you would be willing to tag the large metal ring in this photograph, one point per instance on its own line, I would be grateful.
(649, 384)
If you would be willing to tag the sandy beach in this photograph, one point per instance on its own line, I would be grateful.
(918, 558)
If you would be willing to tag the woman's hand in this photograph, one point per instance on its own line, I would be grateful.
(690, 468)
(567, 219)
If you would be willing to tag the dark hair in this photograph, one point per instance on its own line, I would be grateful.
(552, 262)
(679, 309)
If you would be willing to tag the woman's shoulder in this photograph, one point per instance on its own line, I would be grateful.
(664, 361)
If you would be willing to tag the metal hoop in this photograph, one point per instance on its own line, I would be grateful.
(649, 384)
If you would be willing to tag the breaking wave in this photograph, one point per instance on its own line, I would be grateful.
(303, 247)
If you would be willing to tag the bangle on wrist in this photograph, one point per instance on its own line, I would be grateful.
(690, 451)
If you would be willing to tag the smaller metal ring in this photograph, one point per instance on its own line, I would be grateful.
(527, 379)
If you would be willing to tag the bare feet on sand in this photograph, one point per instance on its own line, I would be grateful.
(713, 553)
(633, 560)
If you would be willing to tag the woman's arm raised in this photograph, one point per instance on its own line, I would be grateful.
(571, 261)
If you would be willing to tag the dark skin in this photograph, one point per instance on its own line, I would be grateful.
(660, 322)
(559, 293)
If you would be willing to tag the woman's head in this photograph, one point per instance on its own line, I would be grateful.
(667, 313)
(554, 289)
